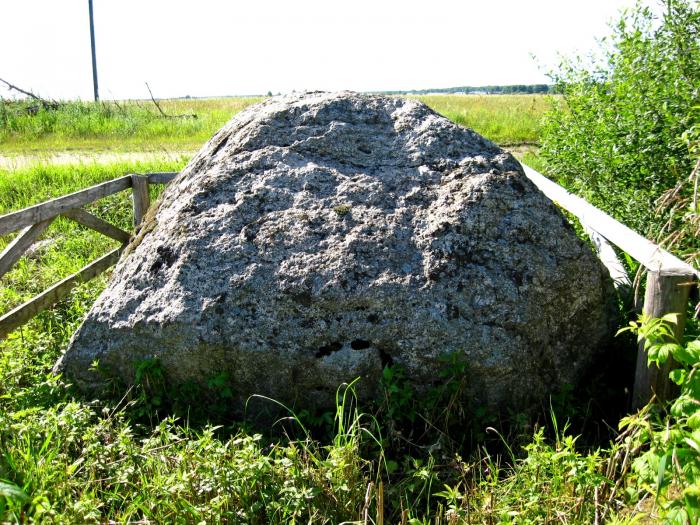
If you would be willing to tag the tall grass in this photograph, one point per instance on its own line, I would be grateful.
(137, 125)
(504, 119)
(128, 125)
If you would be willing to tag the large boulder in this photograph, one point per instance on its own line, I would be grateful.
(319, 237)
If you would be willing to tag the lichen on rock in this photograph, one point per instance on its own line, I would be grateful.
(319, 237)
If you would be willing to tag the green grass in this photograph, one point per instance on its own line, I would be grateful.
(116, 126)
(137, 125)
(504, 119)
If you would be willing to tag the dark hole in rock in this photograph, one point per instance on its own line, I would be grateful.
(385, 358)
(364, 149)
(328, 349)
(166, 257)
(517, 185)
(452, 311)
(360, 344)
(518, 278)
(192, 209)
(372, 318)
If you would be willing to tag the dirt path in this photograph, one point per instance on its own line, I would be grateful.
(13, 162)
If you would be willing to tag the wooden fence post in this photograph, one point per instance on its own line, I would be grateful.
(665, 294)
(139, 185)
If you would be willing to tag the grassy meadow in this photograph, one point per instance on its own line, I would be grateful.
(138, 126)
(116, 126)
(141, 458)
(508, 120)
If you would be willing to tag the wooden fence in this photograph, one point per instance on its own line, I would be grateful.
(669, 280)
(34, 220)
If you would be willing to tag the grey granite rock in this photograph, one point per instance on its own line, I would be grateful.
(318, 237)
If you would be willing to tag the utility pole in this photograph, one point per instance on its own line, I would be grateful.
(94, 59)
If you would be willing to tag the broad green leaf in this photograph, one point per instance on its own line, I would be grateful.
(12, 492)
(678, 376)
(683, 355)
(693, 347)
(694, 421)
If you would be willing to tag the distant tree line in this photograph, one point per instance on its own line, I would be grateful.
(488, 90)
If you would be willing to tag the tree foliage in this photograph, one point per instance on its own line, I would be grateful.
(622, 133)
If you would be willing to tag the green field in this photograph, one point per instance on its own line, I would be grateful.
(116, 126)
(138, 126)
(68, 459)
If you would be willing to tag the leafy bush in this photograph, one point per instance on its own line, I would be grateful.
(625, 129)
(668, 466)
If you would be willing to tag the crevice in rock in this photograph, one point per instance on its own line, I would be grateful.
(385, 358)
(302, 298)
(360, 344)
(328, 349)
(220, 145)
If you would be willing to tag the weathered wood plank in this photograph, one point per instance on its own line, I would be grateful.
(55, 293)
(162, 178)
(88, 219)
(665, 294)
(139, 184)
(607, 255)
(646, 252)
(40, 212)
(13, 251)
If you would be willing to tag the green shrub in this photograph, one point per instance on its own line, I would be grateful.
(668, 438)
(621, 134)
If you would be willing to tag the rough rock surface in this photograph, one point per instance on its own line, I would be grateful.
(318, 237)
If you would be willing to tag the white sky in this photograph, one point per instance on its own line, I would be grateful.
(217, 47)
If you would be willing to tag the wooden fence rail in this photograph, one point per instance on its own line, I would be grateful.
(669, 280)
(34, 220)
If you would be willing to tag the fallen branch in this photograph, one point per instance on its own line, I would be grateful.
(47, 104)
(163, 113)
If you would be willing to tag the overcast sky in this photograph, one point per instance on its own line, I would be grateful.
(217, 47)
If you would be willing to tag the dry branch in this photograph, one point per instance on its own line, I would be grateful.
(47, 104)
(163, 113)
